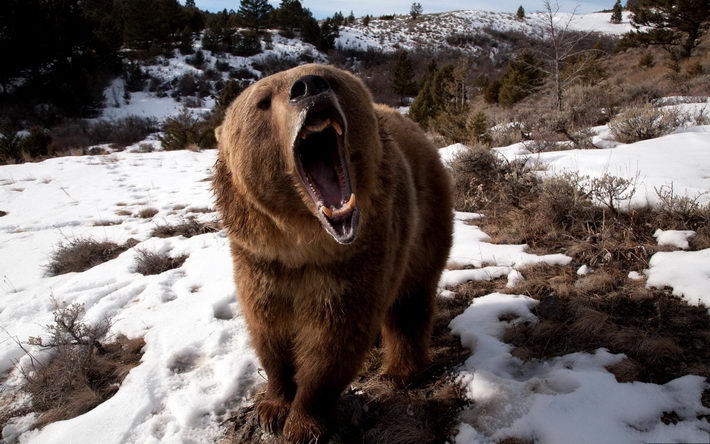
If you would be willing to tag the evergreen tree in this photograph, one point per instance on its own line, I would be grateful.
(522, 78)
(674, 24)
(291, 15)
(366, 20)
(442, 101)
(350, 18)
(338, 19)
(520, 14)
(219, 36)
(147, 22)
(310, 31)
(477, 126)
(329, 31)
(402, 79)
(616, 12)
(416, 10)
(254, 13)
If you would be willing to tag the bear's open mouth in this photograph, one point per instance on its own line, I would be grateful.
(319, 151)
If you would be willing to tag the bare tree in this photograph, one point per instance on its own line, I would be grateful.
(563, 61)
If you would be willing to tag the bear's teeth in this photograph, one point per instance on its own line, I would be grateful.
(345, 209)
(318, 127)
(338, 128)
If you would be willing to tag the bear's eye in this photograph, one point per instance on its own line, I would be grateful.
(264, 103)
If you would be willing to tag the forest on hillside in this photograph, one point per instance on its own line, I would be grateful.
(60, 56)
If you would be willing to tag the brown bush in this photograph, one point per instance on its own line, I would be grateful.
(483, 179)
(149, 262)
(647, 122)
(81, 372)
(188, 228)
(80, 254)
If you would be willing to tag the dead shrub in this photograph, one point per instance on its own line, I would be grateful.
(118, 132)
(81, 371)
(188, 130)
(147, 213)
(189, 227)
(80, 254)
(611, 190)
(562, 202)
(647, 122)
(482, 179)
(150, 262)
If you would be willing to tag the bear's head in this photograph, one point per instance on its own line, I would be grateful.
(301, 146)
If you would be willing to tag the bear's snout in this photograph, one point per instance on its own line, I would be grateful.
(308, 86)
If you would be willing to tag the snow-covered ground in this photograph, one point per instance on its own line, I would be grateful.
(432, 30)
(198, 362)
(169, 69)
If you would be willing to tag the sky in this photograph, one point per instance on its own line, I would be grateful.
(325, 8)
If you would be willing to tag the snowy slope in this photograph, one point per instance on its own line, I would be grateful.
(432, 30)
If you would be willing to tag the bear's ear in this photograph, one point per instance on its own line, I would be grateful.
(218, 133)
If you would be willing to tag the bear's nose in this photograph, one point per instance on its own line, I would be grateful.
(307, 86)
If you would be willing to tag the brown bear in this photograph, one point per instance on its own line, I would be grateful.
(339, 217)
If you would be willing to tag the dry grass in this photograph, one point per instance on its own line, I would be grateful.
(188, 228)
(147, 213)
(80, 254)
(150, 262)
(81, 371)
(662, 336)
(372, 410)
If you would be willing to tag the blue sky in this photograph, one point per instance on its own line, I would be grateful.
(324, 8)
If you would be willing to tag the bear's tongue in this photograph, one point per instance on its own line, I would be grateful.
(323, 173)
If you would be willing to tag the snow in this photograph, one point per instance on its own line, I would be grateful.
(686, 272)
(571, 398)
(432, 30)
(673, 238)
(197, 361)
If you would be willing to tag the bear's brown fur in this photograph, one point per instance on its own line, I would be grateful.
(339, 217)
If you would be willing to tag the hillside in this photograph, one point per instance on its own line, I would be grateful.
(463, 29)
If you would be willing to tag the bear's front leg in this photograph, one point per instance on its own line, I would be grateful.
(277, 359)
(328, 357)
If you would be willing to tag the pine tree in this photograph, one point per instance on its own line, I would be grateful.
(290, 15)
(338, 19)
(520, 14)
(477, 126)
(673, 24)
(616, 13)
(402, 79)
(416, 10)
(522, 78)
(254, 13)
(329, 31)
(366, 20)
